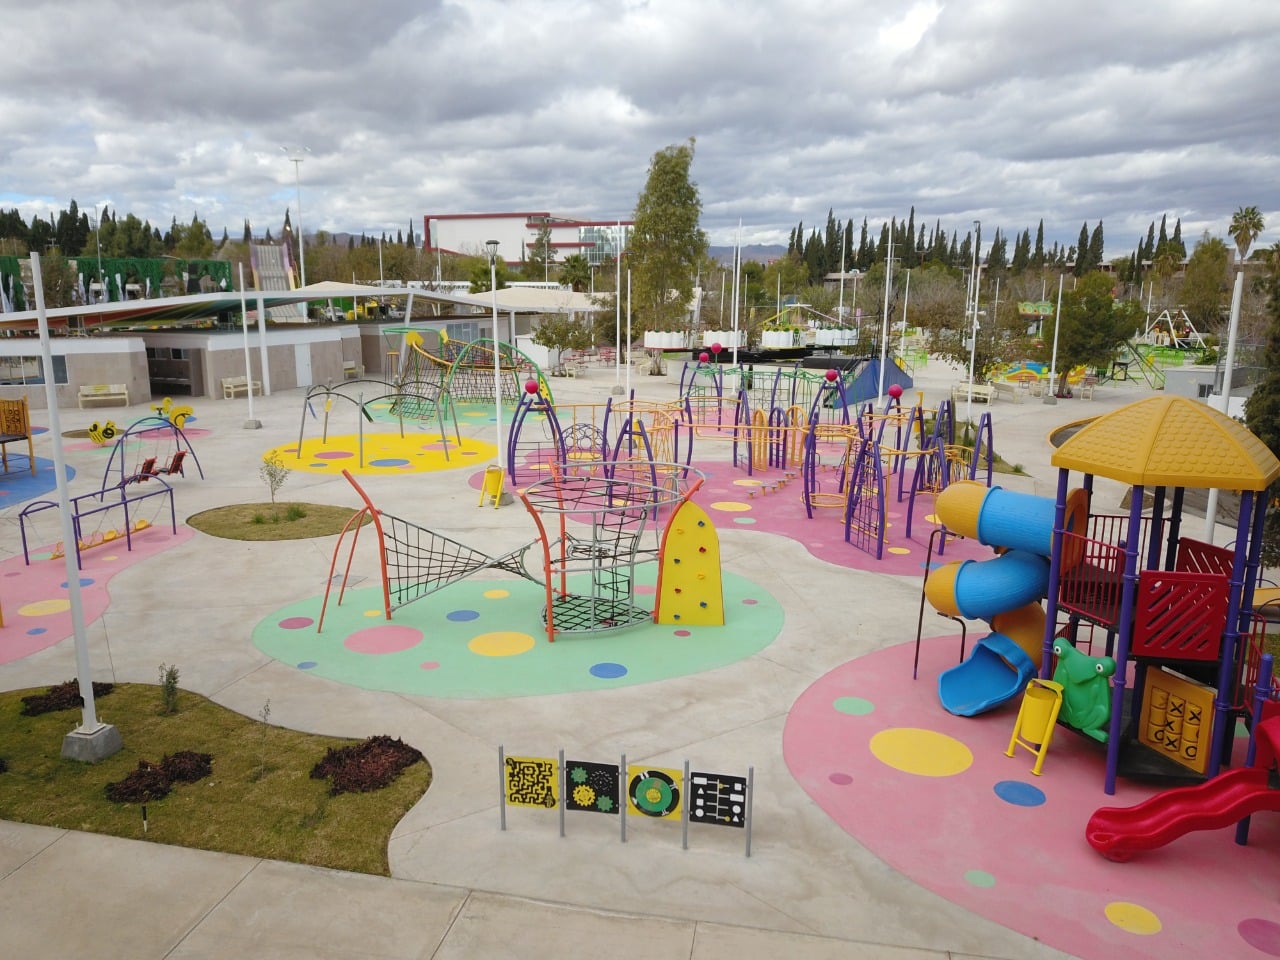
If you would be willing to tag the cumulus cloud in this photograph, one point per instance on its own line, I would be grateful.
(1002, 110)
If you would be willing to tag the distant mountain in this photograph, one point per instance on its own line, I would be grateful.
(759, 252)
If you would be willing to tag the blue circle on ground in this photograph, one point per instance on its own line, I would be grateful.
(1019, 794)
(308, 665)
(462, 616)
(389, 462)
(608, 671)
(319, 465)
(84, 582)
(36, 631)
(744, 520)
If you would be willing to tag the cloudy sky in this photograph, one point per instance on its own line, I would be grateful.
(1007, 111)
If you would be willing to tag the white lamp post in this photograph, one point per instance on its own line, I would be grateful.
(492, 247)
(884, 320)
(296, 157)
(973, 326)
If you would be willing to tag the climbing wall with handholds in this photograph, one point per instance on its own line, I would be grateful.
(690, 589)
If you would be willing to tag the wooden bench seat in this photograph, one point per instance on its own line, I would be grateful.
(234, 386)
(110, 393)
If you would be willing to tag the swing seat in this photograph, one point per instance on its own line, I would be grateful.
(146, 470)
(174, 465)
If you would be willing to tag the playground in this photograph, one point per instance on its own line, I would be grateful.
(884, 824)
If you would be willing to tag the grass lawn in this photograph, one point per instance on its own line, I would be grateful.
(285, 520)
(260, 800)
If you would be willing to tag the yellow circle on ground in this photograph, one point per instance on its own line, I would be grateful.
(497, 594)
(45, 608)
(474, 413)
(1132, 918)
(502, 643)
(926, 753)
(748, 483)
(373, 613)
(900, 551)
(932, 518)
(730, 506)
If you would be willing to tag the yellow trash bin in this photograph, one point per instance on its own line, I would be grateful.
(491, 488)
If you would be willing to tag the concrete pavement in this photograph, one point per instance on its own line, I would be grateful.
(462, 888)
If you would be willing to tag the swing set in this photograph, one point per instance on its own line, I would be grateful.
(157, 461)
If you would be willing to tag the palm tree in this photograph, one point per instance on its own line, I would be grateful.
(1246, 224)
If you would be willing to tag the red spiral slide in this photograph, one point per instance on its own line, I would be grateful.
(1119, 832)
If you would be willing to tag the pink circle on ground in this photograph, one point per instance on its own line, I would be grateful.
(384, 639)
(682, 633)
(840, 779)
(434, 446)
(646, 588)
(430, 665)
(1263, 935)
(334, 455)
(295, 623)
(750, 602)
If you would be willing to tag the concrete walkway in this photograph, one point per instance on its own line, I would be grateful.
(461, 887)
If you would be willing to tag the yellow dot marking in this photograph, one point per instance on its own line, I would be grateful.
(747, 483)
(502, 643)
(1132, 918)
(900, 551)
(925, 753)
(373, 613)
(730, 506)
(497, 594)
(45, 608)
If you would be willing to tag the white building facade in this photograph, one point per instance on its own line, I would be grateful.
(466, 234)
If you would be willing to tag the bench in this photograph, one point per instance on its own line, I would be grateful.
(351, 370)
(234, 386)
(982, 392)
(112, 393)
(15, 427)
(1003, 390)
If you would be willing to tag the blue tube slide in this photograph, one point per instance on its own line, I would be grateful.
(984, 588)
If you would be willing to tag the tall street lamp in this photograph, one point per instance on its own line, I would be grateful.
(296, 157)
(973, 326)
(491, 246)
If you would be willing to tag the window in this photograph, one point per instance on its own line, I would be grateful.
(24, 370)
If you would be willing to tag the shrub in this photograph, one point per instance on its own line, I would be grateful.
(369, 765)
(168, 689)
(64, 696)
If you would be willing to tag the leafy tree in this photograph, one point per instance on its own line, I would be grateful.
(1246, 224)
(540, 256)
(576, 272)
(478, 274)
(561, 332)
(1262, 411)
(60, 282)
(1093, 325)
(666, 243)
(1204, 285)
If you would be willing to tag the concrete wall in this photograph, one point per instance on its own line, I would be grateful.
(89, 360)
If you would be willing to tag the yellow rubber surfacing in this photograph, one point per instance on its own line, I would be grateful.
(384, 453)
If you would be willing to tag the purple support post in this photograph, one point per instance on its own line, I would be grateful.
(1230, 637)
(1124, 635)
(1055, 576)
(1251, 756)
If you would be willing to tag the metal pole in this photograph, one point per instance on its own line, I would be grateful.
(252, 423)
(89, 725)
(973, 325)
(906, 297)
(617, 312)
(497, 368)
(1053, 362)
(884, 320)
(1237, 294)
(297, 183)
(628, 332)
(262, 349)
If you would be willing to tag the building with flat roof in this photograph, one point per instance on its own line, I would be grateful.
(465, 234)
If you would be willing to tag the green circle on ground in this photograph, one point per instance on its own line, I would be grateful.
(979, 878)
(649, 651)
(854, 706)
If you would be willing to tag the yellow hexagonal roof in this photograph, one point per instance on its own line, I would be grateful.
(1170, 441)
